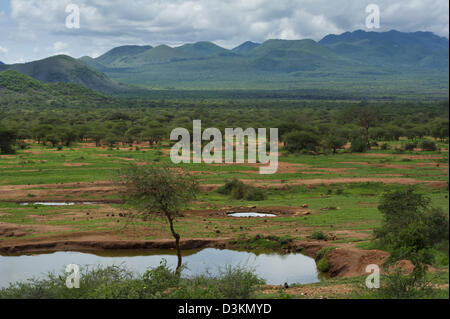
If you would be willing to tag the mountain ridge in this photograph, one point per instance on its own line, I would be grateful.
(379, 61)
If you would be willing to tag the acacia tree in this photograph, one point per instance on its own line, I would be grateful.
(158, 191)
(7, 139)
(363, 115)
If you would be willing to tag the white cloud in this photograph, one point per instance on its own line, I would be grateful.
(106, 24)
(62, 53)
(58, 46)
(3, 50)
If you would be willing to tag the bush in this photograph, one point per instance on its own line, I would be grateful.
(7, 140)
(400, 286)
(23, 146)
(297, 141)
(413, 230)
(428, 146)
(409, 221)
(238, 190)
(160, 278)
(53, 286)
(318, 235)
(237, 283)
(410, 146)
(358, 145)
(323, 265)
(261, 242)
(322, 252)
(385, 146)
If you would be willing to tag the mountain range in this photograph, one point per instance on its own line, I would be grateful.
(380, 61)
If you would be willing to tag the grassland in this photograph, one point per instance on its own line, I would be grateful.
(335, 194)
(341, 191)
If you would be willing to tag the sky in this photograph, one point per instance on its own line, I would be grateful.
(35, 29)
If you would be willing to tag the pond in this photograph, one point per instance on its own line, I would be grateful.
(251, 214)
(58, 203)
(276, 269)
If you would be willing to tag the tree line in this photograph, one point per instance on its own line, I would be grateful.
(303, 126)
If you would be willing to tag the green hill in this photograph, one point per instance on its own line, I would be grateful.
(418, 49)
(63, 68)
(204, 49)
(114, 56)
(245, 47)
(156, 55)
(17, 89)
(293, 56)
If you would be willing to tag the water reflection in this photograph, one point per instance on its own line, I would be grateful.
(276, 269)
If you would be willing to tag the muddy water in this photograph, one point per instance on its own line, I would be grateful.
(274, 268)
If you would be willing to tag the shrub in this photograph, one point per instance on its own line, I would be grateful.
(297, 141)
(400, 286)
(428, 146)
(23, 145)
(322, 252)
(229, 186)
(160, 278)
(410, 229)
(261, 242)
(358, 145)
(385, 146)
(318, 235)
(237, 282)
(410, 222)
(323, 265)
(410, 146)
(7, 140)
(238, 190)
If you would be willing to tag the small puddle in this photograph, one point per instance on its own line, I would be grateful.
(276, 269)
(251, 214)
(58, 203)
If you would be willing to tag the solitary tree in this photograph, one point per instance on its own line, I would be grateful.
(158, 191)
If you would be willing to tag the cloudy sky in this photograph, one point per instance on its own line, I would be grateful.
(34, 29)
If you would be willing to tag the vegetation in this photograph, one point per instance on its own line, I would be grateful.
(318, 235)
(346, 63)
(261, 242)
(410, 230)
(161, 282)
(7, 140)
(63, 114)
(155, 190)
(343, 152)
(238, 190)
